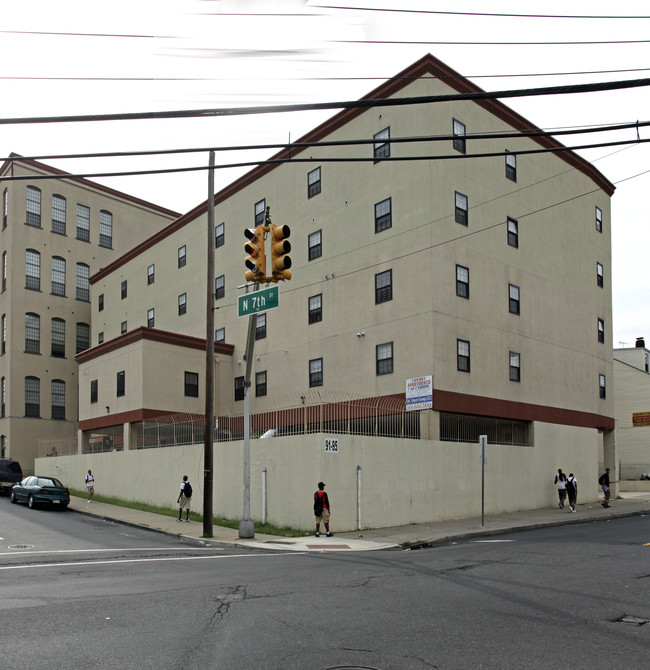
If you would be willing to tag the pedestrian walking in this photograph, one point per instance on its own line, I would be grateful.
(322, 510)
(184, 499)
(603, 480)
(90, 485)
(572, 491)
(560, 482)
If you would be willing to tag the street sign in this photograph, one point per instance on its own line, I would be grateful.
(258, 301)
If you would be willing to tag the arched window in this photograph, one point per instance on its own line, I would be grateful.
(83, 337)
(58, 276)
(32, 333)
(32, 270)
(105, 229)
(83, 282)
(33, 213)
(58, 214)
(58, 338)
(32, 397)
(58, 399)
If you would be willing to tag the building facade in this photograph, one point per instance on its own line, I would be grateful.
(632, 409)
(410, 258)
(56, 231)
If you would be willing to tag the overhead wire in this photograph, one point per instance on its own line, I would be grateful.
(492, 14)
(533, 132)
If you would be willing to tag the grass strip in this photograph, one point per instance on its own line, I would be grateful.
(263, 528)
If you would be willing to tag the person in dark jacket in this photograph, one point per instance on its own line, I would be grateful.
(572, 491)
(560, 482)
(603, 480)
(322, 510)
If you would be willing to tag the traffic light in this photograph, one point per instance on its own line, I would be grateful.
(280, 247)
(256, 259)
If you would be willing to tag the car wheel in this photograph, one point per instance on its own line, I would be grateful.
(63, 508)
(12, 498)
(30, 502)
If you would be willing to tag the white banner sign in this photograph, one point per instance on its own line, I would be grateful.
(419, 393)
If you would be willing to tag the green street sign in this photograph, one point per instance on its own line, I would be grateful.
(258, 301)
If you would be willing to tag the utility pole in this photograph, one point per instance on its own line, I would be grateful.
(246, 524)
(208, 434)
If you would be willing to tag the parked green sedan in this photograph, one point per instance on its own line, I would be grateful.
(40, 490)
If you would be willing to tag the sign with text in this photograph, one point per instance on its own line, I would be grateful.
(640, 419)
(331, 445)
(258, 301)
(419, 393)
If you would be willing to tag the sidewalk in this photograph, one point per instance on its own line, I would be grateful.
(416, 535)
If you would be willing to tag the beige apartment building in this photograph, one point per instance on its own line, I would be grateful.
(57, 230)
(632, 409)
(492, 275)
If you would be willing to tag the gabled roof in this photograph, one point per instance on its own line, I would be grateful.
(426, 66)
(17, 158)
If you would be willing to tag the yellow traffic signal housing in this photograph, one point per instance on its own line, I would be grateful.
(256, 259)
(280, 248)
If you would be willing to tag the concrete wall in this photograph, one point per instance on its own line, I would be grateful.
(402, 481)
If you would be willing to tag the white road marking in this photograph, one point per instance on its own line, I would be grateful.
(144, 560)
(88, 551)
(485, 541)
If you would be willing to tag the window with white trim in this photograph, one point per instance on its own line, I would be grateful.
(462, 356)
(384, 358)
(462, 281)
(83, 223)
(515, 366)
(58, 214)
(316, 372)
(33, 208)
(381, 146)
(313, 182)
(460, 131)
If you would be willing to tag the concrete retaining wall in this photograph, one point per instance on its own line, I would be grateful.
(402, 481)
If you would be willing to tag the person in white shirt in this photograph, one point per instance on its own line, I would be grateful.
(90, 485)
(560, 481)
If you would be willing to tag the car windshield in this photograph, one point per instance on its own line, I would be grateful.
(48, 481)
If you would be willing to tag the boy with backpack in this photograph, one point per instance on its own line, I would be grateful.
(572, 491)
(184, 499)
(322, 510)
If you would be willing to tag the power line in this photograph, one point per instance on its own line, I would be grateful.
(534, 132)
(321, 160)
(487, 44)
(358, 104)
(414, 78)
(495, 14)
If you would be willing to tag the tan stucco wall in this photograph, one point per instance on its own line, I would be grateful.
(403, 481)
(632, 395)
(554, 267)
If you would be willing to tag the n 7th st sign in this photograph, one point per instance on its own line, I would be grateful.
(258, 301)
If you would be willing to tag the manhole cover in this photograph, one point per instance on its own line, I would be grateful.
(21, 546)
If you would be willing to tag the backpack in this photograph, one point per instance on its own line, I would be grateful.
(318, 504)
(187, 490)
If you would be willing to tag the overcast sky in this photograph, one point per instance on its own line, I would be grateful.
(79, 57)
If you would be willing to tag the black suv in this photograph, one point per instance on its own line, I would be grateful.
(10, 474)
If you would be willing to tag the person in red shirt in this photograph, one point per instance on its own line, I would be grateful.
(322, 510)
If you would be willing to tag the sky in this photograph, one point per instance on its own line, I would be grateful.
(74, 57)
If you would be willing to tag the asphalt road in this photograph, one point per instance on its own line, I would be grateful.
(101, 595)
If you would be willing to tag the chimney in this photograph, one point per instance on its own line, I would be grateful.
(640, 342)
